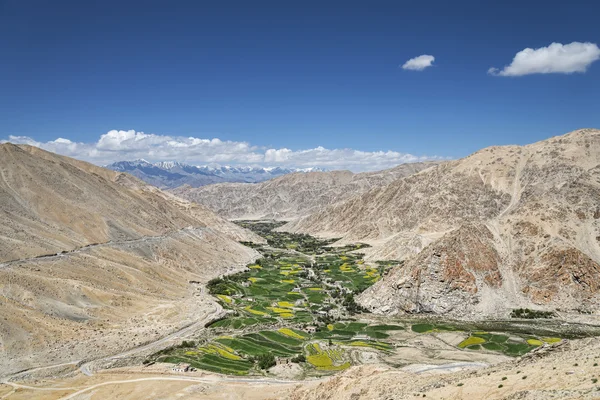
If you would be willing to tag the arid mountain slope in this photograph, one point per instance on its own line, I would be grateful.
(51, 203)
(292, 195)
(505, 227)
(127, 254)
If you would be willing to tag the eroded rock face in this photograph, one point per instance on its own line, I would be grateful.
(506, 227)
(445, 276)
(563, 274)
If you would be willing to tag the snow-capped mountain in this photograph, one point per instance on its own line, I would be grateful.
(171, 174)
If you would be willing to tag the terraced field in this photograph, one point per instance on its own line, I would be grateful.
(301, 284)
(509, 345)
(514, 344)
(296, 303)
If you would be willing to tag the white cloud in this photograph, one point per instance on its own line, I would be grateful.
(419, 63)
(128, 145)
(556, 58)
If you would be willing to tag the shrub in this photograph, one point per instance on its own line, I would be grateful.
(299, 358)
(264, 361)
(530, 314)
(500, 386)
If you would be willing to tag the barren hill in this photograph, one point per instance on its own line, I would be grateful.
(292, 195)
(126, 254)
(506, 227)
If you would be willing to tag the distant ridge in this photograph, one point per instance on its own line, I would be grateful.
(171, 174)
(292, 195)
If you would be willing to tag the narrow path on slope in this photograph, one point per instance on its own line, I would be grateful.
(419, 369)
(30, 370)
(186, 379)
(143, 239)
(86, 368)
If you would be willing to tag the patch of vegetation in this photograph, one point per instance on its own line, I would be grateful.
(264, 361)
(422, 328)
(527, 313)
(471, 340)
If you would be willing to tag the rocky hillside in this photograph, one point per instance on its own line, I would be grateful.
(93, 261)
(506, 227)
(291, 195)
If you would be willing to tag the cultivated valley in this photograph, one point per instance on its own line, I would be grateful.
(474, 278)
(293, 313)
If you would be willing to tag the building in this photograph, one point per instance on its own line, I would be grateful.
(282, 361)
(183, 368)
(310, 329)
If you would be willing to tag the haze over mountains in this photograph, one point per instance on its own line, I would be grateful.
(171, 174)
(93, 261)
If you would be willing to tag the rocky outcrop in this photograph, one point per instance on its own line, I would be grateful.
(444, 277)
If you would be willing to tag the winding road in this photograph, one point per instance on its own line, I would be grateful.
(86, 367)
(144, 239)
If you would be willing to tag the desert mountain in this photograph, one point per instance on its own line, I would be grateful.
(93, 260)
(506, 227)
(291, 195)
(171, 174)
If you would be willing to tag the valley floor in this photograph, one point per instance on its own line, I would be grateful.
(566, 371)
(298, 303)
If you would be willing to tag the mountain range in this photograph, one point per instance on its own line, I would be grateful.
(291, 195)
(504, 228)
(171, 174)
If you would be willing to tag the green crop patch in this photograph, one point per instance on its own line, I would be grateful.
(384, 328)
(279, 338)
(492, 346)
(377, 334)
(422, 328)
(516, 346)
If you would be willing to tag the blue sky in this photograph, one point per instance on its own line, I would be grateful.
(289, 76)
